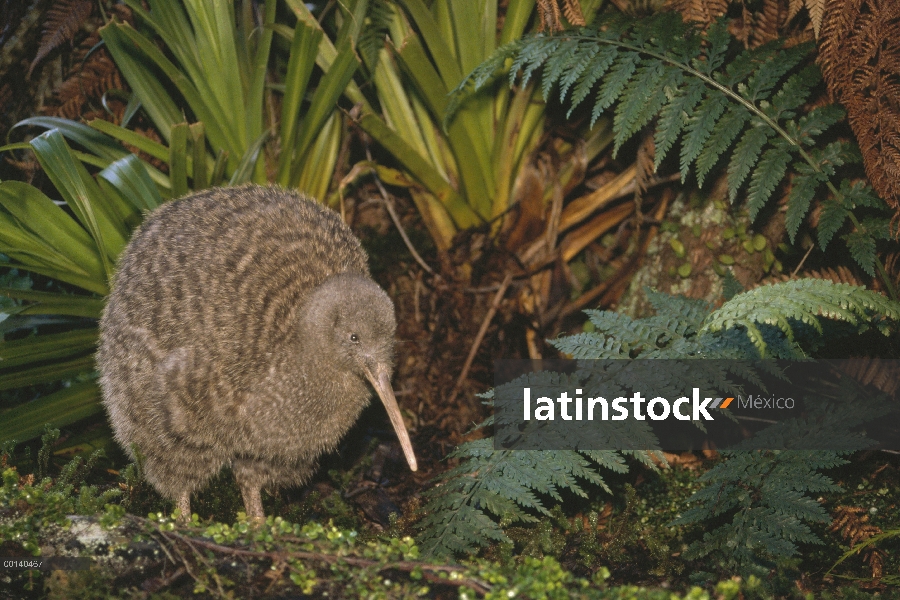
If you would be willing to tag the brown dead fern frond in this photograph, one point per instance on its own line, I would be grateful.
(572, 11)
(550, 16)
(851, 522)
(92, 75)
(61, 22)
(550, 13)
(768, 23)
(859, 54)
(703, 12)
(883, 375)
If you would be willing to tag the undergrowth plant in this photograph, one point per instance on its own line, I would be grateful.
(245, 559)
(742, 107)
(762, 496)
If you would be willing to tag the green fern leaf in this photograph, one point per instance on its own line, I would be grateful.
(674, 115)
(698, 129)
(774, 64)
(532, 56)
(802, 300)
(803, 189)
(817, 121)
(860, 194)
(718, 39)
(794, 92)
(723, 134)
(506, 483)
(372, 37)
(831, 219)
(641, 100)
(862, 249)
(557, 64)
(691, 311)
(768, 174)
(615, 82)
(590, 346)
(878, 227)
(745, 155)
(583, 57)
(596, 69)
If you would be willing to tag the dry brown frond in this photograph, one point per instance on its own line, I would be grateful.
(572, 12)
(549, 12)
(882, 374)
(60, 25)
(93, 75)
(646, 156)
(768, 22)
(699, 11)
(816, 10)
(852, 523)
(859, 53)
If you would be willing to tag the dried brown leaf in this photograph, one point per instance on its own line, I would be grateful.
(61, 23)
(549, 13)
(699, 11)
(852, 524)
(572, 12)
(816, 10)
(859, 53)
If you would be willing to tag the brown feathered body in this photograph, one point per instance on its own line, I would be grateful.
(241, 329)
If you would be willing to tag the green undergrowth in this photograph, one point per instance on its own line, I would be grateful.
(278, 558)
(621, 545)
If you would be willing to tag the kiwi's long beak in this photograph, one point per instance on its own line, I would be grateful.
(381, 381)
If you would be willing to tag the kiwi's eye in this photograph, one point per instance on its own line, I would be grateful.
(354, 338)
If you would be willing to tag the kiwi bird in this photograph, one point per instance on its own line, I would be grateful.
(241, 330)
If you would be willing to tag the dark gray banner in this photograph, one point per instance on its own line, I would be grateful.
(684, 405)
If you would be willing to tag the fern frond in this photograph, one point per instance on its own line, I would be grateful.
(802, 300)
(723, 134)
(618, 77)
(505, 484)
(707, 94)
(556, 64)
(673, 117)
(698, 130)
(745, 155)
(767, 175)
(379, 15)
(803, 189)
(642, 99)
(595, 69)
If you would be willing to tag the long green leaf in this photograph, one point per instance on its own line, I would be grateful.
(37, 214)
(59, 409)
(50, 303)
(244, 170)
(47, 373)
(324, 100)
(132, 138)
(47, 347)
(256, 95)
(157, 102)
(129, 176)
(462, 214)
(178, 168)
(82, 194)
(88, 138)
(299, 69)
(63, 274)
